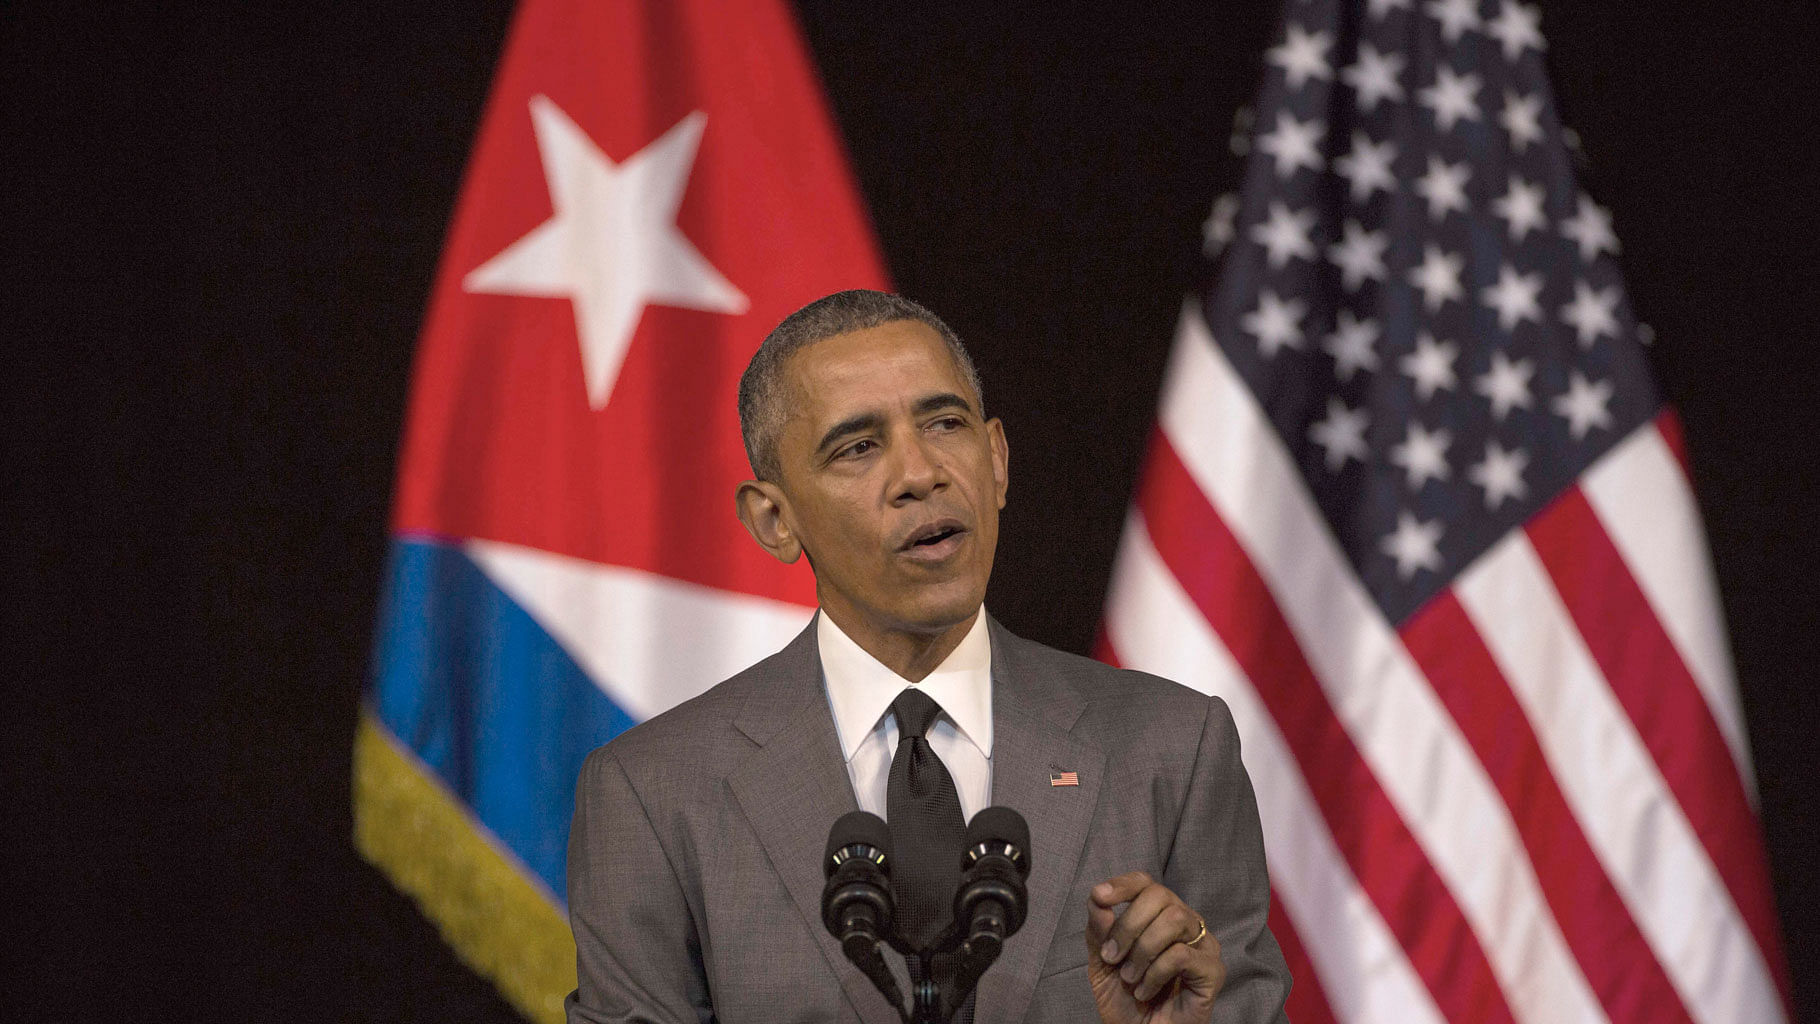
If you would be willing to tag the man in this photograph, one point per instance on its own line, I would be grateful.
(695, 868)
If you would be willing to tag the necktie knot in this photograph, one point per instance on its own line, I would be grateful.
(915, 711)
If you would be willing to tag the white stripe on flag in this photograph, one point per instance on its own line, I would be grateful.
(1154, 627)
(1616, 791)
(649, 642)
(1427, 769)
(1640, 493)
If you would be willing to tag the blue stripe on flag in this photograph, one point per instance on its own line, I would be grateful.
(487, 699)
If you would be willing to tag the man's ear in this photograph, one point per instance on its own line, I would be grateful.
(1001, 458)
(761, 506)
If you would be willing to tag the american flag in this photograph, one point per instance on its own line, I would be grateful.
(1414, 508)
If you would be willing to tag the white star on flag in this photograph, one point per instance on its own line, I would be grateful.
(1302, 55)
(1423, 455)
(1342, 434)
(1583, 405)
(1285, 235)
(1217, 230)
(1506, 385)
(1500, 474)
(1367, 166)
(1380, 9)
(1455, 16)
(1359, 254)
(1592, 313)
(1517, 27)
(1451, 98)
(1438, 277)
(1414, 545)
(1521, 208)
(1590, 227)
(1430, 365)
(1522, 120)
(1514, 297)
(1373, 76)
(1276, 323)
(1293, 144)
(1443, 186)
(1351, 343)
(612, 245)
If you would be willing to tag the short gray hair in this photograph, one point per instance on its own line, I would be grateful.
(762, 401)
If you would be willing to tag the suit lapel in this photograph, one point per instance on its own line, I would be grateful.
(1032, 716)
(792, 789)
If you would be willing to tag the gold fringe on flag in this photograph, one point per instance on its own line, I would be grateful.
(500, 922)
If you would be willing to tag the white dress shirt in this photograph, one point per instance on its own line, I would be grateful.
(860, 691)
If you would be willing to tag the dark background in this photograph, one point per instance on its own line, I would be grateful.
(220, 226)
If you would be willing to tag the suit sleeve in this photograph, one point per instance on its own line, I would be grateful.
(1216, 865)
(637, 954)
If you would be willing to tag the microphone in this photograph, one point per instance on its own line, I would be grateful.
(991, 903)
(856, 901)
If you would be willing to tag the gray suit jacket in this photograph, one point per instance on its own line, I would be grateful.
(695, 871)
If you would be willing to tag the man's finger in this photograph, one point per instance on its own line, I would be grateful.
(1144, 908)
(1173, 963)
(1173, 925)
(1202, 974)
(1099, 924)
(1114, 891)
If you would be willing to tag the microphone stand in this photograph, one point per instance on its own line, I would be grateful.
(951, 969)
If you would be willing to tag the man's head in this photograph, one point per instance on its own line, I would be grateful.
(764, 396)
(863, 421)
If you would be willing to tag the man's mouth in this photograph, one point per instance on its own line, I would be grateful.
(936, 538)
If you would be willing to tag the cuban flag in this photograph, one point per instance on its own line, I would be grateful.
(653, 187)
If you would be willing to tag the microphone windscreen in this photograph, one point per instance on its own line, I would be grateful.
(1002, 825)
(858, 827)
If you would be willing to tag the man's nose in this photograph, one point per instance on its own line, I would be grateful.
(919, 469)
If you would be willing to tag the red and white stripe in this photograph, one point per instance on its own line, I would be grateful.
(1531, 803)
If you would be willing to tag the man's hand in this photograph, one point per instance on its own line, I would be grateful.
(1140, 963)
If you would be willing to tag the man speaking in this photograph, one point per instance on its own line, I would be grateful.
(695, 864)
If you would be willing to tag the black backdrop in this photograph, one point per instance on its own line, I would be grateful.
(220, 226)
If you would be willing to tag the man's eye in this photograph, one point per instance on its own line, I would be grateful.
(948, 423)
(859, 447)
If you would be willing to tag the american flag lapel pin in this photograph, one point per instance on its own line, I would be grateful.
(1062, 778)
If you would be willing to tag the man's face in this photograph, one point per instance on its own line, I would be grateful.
(891, 479)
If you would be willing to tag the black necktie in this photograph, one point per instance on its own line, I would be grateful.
(924, 812)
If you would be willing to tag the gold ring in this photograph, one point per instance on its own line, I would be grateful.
(1203, 934)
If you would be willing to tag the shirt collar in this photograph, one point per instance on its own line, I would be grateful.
(861, 689)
